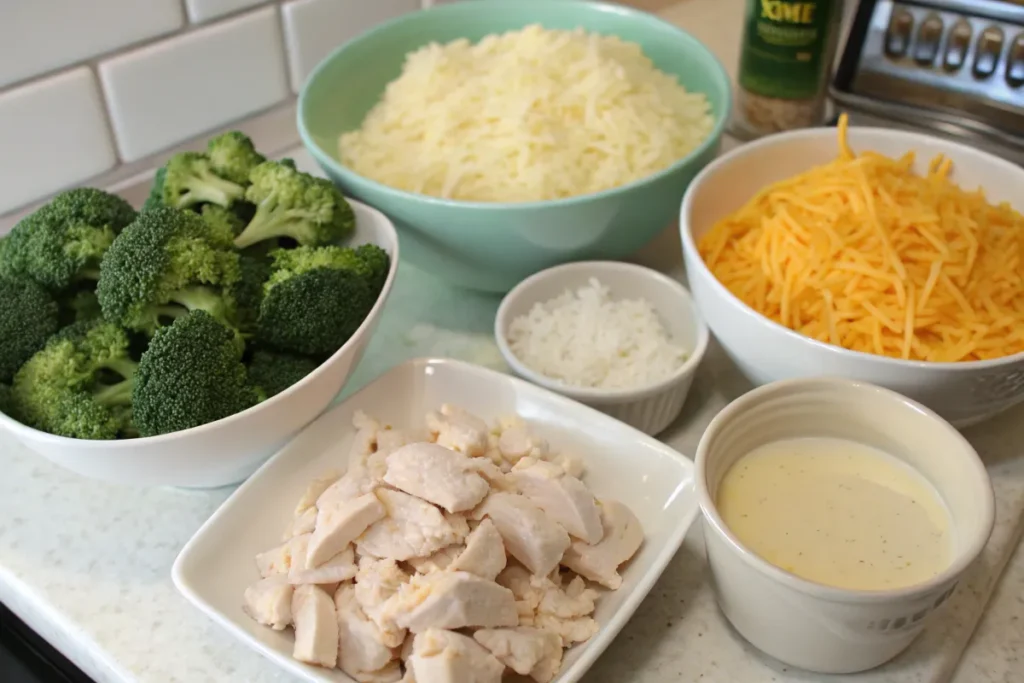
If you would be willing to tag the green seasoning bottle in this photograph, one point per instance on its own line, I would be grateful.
(785, 64)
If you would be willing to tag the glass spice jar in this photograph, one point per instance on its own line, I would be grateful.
(785, 65)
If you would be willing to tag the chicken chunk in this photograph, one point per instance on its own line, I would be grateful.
(389, 441)
(575, 600)
(349, 487)
(516, 443)
(339, 524)
(364, 443)
(484, 554)
(441, 656)
(316, 627)
(377, 581)
(341, 567)
(458, 430)
(571, 630)
(437, 562)
(452, 600)
(529, 535)
(623, 536)
(495, 476)
(527, 651)
(279, 560)
(436, 474)
(361, 645)
(314, 490)
(563, 497)
(269, 602)
(301, 524)
(412, 528)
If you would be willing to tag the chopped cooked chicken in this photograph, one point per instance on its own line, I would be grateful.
(389, 441)
(484, 554)
(458, 430)
(623, 536)
(376, 582)
(527, 651)
(530, 536)
(301, 524)
(436, 474)
(412, 528)
(516, 443)
(451, 527)
(452, 600)
(440, 656)
(269, 602)
(279, 560)
(361, 645)
(316, 627)
(348, 487)
(341, 567)
(563, 497)
(339, 524)
(573, 630)
(437, 562)
(313, 491)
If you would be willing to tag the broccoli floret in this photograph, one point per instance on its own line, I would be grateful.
(6, 400)
(162, 266)
(314, 300)
(233, 156)
(190, 180)
(79, 385)
(94, 207)
(272, 373)
(378, 262)
(293, 204)
(191, 374)
(223, 225)
(289, 162)
(156, 191)
(28, 316)
(7, 268)
(64, 240)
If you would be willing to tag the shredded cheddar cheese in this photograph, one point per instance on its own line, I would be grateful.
(866, 254)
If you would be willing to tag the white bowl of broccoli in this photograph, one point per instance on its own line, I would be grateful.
(185, 344)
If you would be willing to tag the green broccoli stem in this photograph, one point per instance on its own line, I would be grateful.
(122, 366)
(116, 394)
(207, 187)
(270, 222)
(200, 298)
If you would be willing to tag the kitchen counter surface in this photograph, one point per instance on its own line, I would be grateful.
(87, 564)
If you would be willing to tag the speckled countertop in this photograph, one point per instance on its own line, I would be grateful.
(87, 564)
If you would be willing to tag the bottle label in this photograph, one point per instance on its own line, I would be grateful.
(785, 47)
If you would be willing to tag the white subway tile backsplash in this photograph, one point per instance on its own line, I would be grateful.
(171, 91)
(52, 134)
(204, 10)
(313, 28)
(41, 35)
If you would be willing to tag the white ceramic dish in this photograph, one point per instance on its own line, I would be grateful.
(228, 450)
(963, 393)
(216, 565)
(806, 624)
(650, 408)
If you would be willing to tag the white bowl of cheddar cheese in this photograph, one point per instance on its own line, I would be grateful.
(838, 517)
(964, 392)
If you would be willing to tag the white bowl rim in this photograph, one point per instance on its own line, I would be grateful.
(712, 140)
(961, 561)
(39, 436)
(779, 139)
(594, 395)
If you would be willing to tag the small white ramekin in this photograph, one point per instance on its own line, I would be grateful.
(649, 408)
(805, 624)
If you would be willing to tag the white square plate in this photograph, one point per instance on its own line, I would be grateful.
(656, 482)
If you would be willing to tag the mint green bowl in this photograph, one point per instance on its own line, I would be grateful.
(492, 246)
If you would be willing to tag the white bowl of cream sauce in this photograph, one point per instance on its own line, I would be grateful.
(838, 516)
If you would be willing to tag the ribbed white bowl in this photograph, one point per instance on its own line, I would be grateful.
(650, 408)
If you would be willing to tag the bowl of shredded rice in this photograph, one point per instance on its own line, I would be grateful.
(507, 136)
(880, 255)
(619, 337)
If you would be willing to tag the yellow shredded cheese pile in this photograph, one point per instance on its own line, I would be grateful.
(865, 254)
(527, 115)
